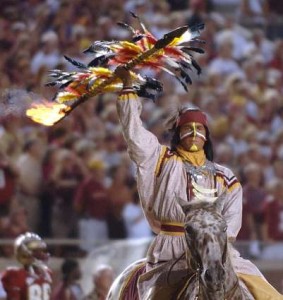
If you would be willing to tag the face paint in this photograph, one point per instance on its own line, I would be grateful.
(194, 148)
(194, 133)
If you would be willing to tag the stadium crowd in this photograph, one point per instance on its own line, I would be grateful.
(75, 179)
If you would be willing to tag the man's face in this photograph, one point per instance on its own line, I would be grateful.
(192, 136)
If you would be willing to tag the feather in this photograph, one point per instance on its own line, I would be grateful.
(127, 26)
(174, 113)
(185, 76)
(199, 41)
(196, 66)
(176, 59)
(52, 83)
(138, 38)
(75, 63)
(62, 97)
(194, 49)
(100, 46)
(186, 65)
(100, 60)
(91, 83)
(144, 93)
(150, 88)
(197, 27)
(65, 84)
(154, 84)
(141, 23)
(184, 85)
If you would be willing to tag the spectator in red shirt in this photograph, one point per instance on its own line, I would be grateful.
(92, 205)
(274, 212)
(254, 196)
(273, 227)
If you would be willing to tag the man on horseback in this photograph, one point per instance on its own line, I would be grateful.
(185, 170)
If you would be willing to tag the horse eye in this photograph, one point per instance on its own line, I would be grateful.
(225, 229)
(189, 229)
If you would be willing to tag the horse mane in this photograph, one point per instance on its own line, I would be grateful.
(205, 226)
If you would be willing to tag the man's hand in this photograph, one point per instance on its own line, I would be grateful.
(124, 74)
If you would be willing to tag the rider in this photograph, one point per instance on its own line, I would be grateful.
(33, 280)
(185, 170)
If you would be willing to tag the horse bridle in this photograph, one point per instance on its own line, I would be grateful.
(197, 268)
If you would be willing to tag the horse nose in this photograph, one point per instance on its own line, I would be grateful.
(216, 274)
(207, 275)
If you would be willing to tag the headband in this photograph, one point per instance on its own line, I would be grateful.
(192, 116)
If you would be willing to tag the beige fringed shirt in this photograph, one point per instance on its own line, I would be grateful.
(162, 176)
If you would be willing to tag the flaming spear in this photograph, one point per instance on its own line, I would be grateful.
(80, 89)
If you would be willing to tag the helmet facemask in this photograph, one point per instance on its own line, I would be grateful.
(31, 251)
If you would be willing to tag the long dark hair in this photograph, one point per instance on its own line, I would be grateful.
(208, 147)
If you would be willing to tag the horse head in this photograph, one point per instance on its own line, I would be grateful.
(206, 236)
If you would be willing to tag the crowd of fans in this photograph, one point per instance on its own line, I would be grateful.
(53, 180)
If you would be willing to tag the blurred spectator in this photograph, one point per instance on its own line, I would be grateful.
(238, 36)
(47, 57)
(224, 154)
(30, 181)
(255, 196)
(274, 211)
(264, 46)
(68, 287)
(111, 155)
(120, 182)
(136, 224)
(273, 227)
(8, 177)
(47, 199)
(13, 226)
(236, 138)
(92, 206)
(103, 278)
(277, 59)
(66, 176)
(245, 231)
(253, 12)
(224, 62)
(11, 139)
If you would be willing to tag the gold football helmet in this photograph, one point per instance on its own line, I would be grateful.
(30, 249)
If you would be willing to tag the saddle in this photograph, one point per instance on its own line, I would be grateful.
(167, 286)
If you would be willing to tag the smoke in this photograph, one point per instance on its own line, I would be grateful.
(15, 102)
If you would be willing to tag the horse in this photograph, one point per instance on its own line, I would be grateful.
(210, 273)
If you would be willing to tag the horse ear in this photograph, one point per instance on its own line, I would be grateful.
(219, 202)
(183, 203)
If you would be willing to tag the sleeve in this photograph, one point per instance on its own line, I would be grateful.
(143, 146)
(12, 284)
(232, 210)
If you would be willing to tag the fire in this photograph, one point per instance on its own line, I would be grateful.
(47, 113)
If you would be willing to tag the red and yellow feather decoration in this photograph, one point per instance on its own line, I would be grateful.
(172, 54)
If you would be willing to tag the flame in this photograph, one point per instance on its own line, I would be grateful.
(47, 113)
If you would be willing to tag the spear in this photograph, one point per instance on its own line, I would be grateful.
(159, 45)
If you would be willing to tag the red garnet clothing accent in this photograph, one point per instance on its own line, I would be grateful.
(192, 116)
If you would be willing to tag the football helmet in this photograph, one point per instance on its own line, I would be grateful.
(30, 249)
